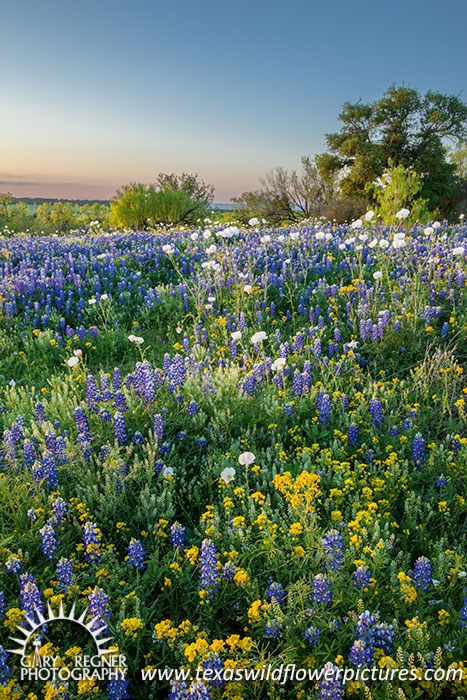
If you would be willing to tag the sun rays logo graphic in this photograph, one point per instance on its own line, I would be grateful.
(93, 627)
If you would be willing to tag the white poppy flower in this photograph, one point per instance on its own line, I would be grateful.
(228, 474)
(369, 215)
(377, 275)
(254, 221)
(358, 223)
(279, 363)
(92, 301)
(402, 214)
(247, 288)
(459, 250)
(72, 361)
(246, 458)
(236, 335)
(258, 337)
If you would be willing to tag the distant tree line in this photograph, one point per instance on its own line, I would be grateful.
(171, 199)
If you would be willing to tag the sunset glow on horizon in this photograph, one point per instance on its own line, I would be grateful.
(99, 95)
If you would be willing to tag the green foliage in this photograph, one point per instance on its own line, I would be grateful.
(50, 217)
(141, 206)
(407, 129)
(399, 188)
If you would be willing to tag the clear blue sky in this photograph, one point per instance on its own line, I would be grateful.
(97, 94)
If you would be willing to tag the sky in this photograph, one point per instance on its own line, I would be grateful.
(100, 93)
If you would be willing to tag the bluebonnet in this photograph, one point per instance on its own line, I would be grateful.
(177, 534)
(120, 402)
(330, 688)
(117, 689)
(209, 574)
(276, 590)
(5, 670)
(422, 573)
(64, 573)
(92, 393)
(361, 577)
(228, 571)
(213, 663)
(116, 380)
(13, 564)
(136, 553)
(333, 544)
(272, 629)
(40, 413)
(98, 607)
(48, 540)
(376, 411)
(158, 427)
(360, 654)
(418, 450)
(324, 408)
(105, 416)
(463, 612)
(59, 509)
(91, 539)
(30, 596)
(321, 590)
(352, 435)
(81, 421)
(119, 428)
(192, 408)
(312, 635)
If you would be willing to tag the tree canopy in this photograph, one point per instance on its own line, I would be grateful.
(405, 128)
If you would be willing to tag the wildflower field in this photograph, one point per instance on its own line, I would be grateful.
(236, 448)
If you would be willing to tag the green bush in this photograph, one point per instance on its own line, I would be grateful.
(140, 207)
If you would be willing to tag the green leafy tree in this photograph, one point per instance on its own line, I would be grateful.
(94, 212)
(59, 217)
(405, 128)
(138, 206)
(21, 217)
(6, 198)
(399, 188)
